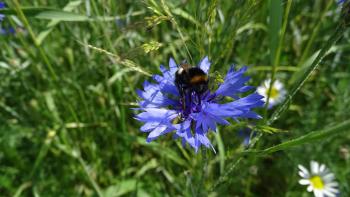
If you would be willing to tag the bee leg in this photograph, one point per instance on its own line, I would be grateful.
(183, 100)
(190, 99)
(182, 96)
(199, 99)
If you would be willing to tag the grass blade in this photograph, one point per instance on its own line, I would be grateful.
(69, 7)
(275, 13)
(124, 62)
(310, 137)
(55, 14)
(276, 52)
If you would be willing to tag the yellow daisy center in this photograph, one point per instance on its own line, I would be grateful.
(317, 182)
(274, 93)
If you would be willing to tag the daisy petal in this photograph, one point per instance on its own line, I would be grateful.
(334, 190)
(304, 171)
(322, 168)
(304, 182)
(328, 193)
(318, 193)
(332, 184)
(314, 167)
(310, 188)
(328, 177)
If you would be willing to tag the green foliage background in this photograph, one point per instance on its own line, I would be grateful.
(68, 80)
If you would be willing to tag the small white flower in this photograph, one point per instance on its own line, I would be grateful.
(320, 180)
(277, 95)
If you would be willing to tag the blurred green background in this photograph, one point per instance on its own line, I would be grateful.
(68, 81)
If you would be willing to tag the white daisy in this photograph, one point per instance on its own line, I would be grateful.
(320, 180)
(278, 93)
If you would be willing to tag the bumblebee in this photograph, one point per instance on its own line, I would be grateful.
(190, 79)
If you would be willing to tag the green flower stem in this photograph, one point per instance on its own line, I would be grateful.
(277, 55)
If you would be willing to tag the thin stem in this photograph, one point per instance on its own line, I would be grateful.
(36, 43)
(224, 176)
(314, 34)
(173, 21)
(278, 55)
(92, 181)
(204, 169)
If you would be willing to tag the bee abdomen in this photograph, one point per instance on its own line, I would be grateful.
(199, 79)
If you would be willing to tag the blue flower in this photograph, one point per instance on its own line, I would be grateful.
(2, 5)
(2, 16)
(246, 134)
(192, 118)
(7, 31)
(4, 30)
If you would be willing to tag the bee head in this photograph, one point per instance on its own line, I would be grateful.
(184, 66)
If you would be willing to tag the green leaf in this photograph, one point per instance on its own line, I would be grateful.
(163, 151)
(55, 14)
(122, 188)
(147, 166)
(186, 15)
(221, 148)
(251, 26)
(268, 129)
(275, 16)
(69, 7)
(28, 11)
(310, 137)
(61, 15)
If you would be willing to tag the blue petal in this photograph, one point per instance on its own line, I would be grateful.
(173, 66)
(166, 81)
(251, 114)
(166, 85)
(201, 138)
(184, 131)
(157, 122)
(241, 108)
(234, 83)
(156, 114)
(205, 64)
(148, 126)
(209, 116)
(167, 74)
(2, 5)
(158, 131)
(153, 96)
(245, 133)
(252, 100)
